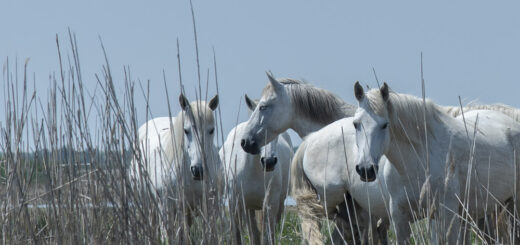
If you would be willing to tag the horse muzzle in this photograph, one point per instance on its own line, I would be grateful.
(269, 163)
(196, 172)
(250, 146)
(367, 174)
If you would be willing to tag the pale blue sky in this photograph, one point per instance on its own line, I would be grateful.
(471, 48)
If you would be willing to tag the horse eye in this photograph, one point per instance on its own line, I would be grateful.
(186, 131)
(356, 125)
(384, 126)
(211, 131)
(262, 107)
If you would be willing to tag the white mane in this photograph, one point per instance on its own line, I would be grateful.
(507, 110)
(406, 114)
(314, 103)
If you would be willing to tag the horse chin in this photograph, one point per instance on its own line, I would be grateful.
(197, 178)
(269, 169)
(250, 146)
(367, 179)
(252, 150)
(367, 174)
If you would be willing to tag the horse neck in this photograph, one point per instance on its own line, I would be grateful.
(407, 149)
(234, 157)
(304, 125)
(406, 161)
(213, 160)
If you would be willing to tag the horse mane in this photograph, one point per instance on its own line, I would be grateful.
(315, 103)
(507, 110)
(406, 114)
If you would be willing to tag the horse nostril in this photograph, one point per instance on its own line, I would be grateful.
(196, 172)
(367, 173)
(268, 163)
(249, 146)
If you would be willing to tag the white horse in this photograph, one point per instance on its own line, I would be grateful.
(290, 103)
(177, 153)
(330, 154)
(324, 162)
(257, 182)
(467, 165)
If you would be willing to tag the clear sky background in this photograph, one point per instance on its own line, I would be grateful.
(471, 48)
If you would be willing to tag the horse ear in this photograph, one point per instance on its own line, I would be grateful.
(251, 104)
(213, 103)
(358, 91)
(183, 102)
(384, 92)
(276, 85)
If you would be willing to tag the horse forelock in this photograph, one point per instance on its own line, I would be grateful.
(201, 113)
(313, 103)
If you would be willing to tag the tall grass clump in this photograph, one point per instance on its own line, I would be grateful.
(498, 226)
(65, 160)
(64, 165)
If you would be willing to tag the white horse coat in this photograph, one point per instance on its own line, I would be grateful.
(329, 158)
(471, 164)
(305, 109)
(245, 173)
(178, 152)
(328, 162)
(251, 179)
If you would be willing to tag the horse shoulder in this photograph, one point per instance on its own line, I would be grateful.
(231, 147)
(234, 160)
(285, 155)
(324, 157)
